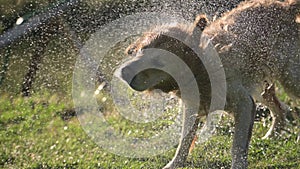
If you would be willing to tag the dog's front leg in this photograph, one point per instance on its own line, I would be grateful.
(189, 129)
(244, 112)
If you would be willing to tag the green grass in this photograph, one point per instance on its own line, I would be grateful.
(40, 132)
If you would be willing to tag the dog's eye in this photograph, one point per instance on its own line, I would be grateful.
(130, 51)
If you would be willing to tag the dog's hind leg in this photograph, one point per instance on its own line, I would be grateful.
(243, 106)
(278, 109)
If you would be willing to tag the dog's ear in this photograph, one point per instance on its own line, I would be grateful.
(201, 21)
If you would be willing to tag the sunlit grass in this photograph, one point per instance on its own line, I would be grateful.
(35, 134)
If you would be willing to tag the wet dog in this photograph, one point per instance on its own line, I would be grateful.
(257, 41)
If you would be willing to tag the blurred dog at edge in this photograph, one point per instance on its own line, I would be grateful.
(257, 41)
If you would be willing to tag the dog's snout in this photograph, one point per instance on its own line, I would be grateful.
(128, 75)
(124, 73)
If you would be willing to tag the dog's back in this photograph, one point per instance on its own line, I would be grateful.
(258, 39)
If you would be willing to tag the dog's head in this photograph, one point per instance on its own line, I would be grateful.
(145, 71)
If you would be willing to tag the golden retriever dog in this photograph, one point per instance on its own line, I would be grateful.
(258, 41)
